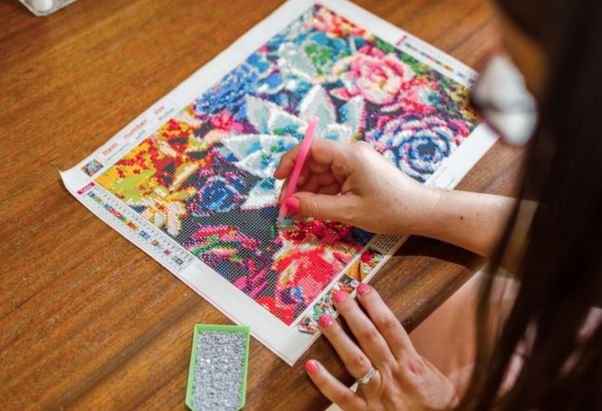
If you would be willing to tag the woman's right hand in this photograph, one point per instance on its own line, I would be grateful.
(354, 184)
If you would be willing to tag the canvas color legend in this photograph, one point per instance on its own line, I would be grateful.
(144, 234)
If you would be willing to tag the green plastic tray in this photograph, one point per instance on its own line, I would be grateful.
(198, 329)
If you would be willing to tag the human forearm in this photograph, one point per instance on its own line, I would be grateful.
(353, 184)
(476, 221)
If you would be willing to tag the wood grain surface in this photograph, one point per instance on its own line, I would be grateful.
(87, 320)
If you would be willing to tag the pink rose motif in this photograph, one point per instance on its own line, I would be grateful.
(419, 95)
(376, 76)
(335, 25)
(224, 121)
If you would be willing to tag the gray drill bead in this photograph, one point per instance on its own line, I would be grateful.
(219, 371)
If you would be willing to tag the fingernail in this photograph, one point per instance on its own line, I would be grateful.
(325, 321)
(293, 204)
(340, 296)
(363, 289)
(311, 366)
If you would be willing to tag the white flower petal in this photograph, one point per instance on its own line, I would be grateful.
(294, 62)
(254, 164)
(317, 103)
(351, 113)
(258, 112)
(337, 132)
(275, 144)
(260, 197)
(159, 218)
(174, 211)
(243, 145)
(280, 119)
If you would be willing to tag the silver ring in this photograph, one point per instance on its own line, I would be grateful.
(366, 378)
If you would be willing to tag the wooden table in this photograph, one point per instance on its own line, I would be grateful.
(89, 321)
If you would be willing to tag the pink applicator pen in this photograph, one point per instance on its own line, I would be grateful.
(299, 162)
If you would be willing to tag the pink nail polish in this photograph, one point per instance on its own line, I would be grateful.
(340, 296)
(293, 204)
(363, 289)
(325, 321)
(311, 366)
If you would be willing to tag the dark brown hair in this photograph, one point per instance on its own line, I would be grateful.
(561, 270)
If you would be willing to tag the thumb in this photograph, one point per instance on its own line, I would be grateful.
(323, 206)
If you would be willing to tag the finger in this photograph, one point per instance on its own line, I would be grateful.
(329, 152)
(325, 206)
(282, 191)
(316, 167)
(324, 154)
(385, 321)
(312, 185)
(338, 156)
(287, 163)
(326, 179)
(331, 189)
(368, 336)
(332, 388)
(304, 176)
(354, 359)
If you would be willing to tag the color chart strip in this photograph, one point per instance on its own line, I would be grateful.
(160, 246)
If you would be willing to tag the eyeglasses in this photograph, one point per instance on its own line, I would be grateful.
(502, 98)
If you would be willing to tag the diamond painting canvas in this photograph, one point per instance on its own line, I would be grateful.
(190, 182)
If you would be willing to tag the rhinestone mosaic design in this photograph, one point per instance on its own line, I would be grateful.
(355, 274)
(205, 177)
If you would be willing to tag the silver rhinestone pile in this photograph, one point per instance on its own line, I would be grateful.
(219, 371)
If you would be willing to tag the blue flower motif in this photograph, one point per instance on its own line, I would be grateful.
(360, 236)
(415, 144)
(310, 58)
(217, 195)
(260, 63)
(229, 94)
(296, 30)
(423, 152)
(327, 49)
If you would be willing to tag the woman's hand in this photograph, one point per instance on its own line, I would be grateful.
(353, 184)
(403, 379)
(374, 194)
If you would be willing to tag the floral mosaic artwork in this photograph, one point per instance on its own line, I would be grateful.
(362, 267)
(205, 176)
(354, 275)
(325, 305)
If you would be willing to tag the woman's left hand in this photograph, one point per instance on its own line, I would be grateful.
(403, 380)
